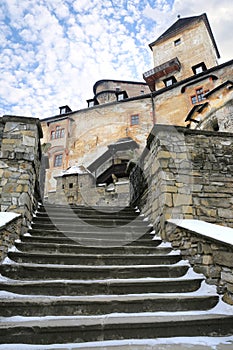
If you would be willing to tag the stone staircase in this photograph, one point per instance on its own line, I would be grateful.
(83, 275)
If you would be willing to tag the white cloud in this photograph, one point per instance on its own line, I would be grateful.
(54, 51)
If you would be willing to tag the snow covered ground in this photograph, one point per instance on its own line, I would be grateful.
(179, 343)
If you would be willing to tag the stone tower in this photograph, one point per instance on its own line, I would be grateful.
(187, 47)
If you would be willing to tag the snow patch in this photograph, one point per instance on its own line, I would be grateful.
(216, 232)
(130, 344)
(7, 217)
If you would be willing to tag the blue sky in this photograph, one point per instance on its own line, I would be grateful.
(53, 51)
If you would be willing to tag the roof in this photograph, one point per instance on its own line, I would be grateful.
(74, 170)
(116, 81)
(180, 24)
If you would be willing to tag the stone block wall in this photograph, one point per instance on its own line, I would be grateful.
(185, 174)
(20, 156)
(211, 258)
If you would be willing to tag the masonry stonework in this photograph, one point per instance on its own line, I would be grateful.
(20, 155)
(189, 174)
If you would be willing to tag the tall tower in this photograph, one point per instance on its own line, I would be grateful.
(187, 47)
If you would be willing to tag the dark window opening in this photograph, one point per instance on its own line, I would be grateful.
(177, 42)
(71, 185)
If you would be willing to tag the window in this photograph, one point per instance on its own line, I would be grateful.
(71, 185)
(58, 160)
(120, 97)
(58, 133)
(199, 96)
(177, 42)
(63, 110)
(169, 81)
(201, 67)
(135, 119)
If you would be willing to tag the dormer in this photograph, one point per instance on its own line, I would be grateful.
(65, 109)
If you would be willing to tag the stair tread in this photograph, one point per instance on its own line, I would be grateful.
(117, 319)
(88, 282)
(103, 297)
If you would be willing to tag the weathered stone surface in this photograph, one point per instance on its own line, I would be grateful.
(223, 258)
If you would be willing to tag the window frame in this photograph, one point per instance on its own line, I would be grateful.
(198, 96)
(171, 79)
(197, 66)
(134, 119)
(57, 133)
(58, 159)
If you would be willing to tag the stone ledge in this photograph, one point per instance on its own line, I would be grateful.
(213, 232)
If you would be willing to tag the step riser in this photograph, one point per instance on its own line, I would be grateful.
(72, 308)
(85, 250)
(93, 260)
(72, 334)
(91, 243)
(78, 289)
(33, 272)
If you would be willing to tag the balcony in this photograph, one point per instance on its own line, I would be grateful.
(161, 71)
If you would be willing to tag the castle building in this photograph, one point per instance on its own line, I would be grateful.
(186, 87)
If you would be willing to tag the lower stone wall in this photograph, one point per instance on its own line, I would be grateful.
(185, 174)
(8, 234)
(116, 195)
(213, 259)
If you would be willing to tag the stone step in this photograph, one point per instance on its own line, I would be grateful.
(93, 259)
(86, 329)
(89, 214)
(92, 225)
(103, 304)
(89, 242)
(28, 246)
(35, 271)
(58, 208)
(110, 286)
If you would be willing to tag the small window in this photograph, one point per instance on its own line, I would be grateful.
(58, 160)
(135, 119)
(71, 185)
(199, 95)
(63, 186)
(91, 103)
(199, 68)
(120, 97)
(169, 81)
(177, 42)
(63, 110)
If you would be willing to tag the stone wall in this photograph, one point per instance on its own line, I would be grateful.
(212, 258)
(20, 156)
(185, 174)
(9, 232)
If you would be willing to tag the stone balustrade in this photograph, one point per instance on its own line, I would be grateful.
(209, 249)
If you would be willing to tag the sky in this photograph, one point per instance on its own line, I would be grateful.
(53, 51)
